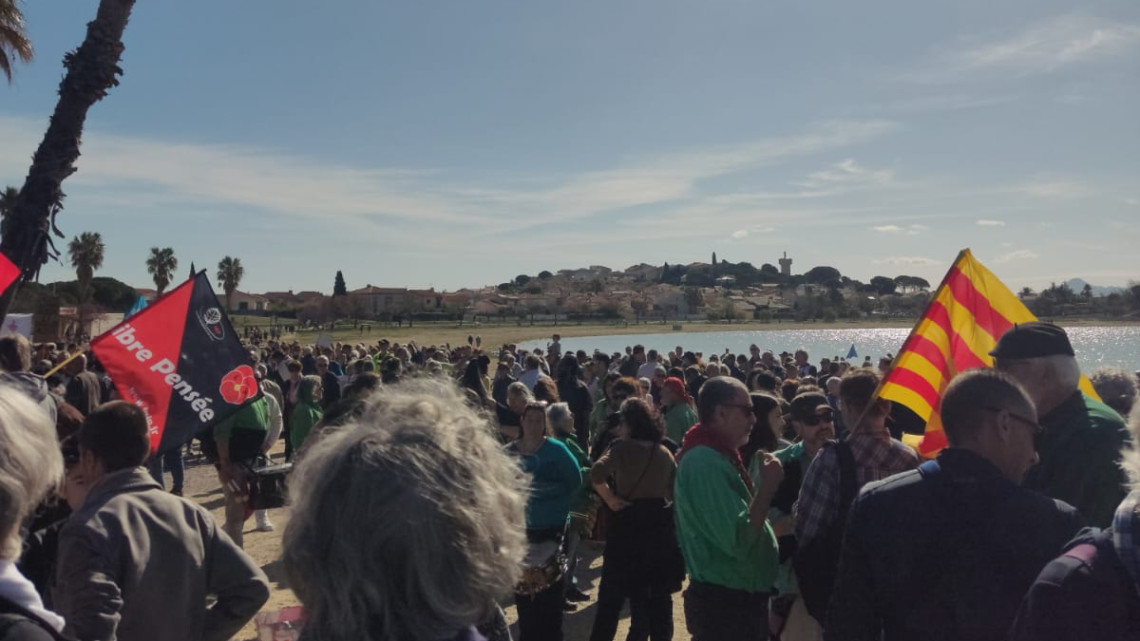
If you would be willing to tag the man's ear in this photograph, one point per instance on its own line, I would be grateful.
(882, 407)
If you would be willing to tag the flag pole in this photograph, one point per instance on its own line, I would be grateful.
(82, 351)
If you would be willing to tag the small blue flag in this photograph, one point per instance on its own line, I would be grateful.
(139, 305)
(851, 353)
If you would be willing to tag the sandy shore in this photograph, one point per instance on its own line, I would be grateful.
(494, 335)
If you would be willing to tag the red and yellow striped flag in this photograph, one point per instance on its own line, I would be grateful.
(970, 311)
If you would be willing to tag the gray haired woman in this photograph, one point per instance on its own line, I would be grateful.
(30, 467)
(408, 521)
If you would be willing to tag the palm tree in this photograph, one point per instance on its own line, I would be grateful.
(230, 272)
(161, 265)
(86, 252)
(91, 71)
(13, 40)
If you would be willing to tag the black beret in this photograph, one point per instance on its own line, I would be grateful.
(1033, 340)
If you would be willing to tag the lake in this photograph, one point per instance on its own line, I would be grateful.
(1095, 346)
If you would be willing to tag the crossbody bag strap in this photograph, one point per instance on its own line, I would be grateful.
(644, 470)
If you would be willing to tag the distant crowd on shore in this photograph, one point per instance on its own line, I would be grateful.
(776, 487)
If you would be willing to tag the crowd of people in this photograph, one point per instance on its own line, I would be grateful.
(429, 484)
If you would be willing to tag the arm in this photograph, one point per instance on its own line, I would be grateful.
(772, 472)
(240, 586)
(725, 517)
(275, 423)
(819, 496)
(851, 614)
(85, 592)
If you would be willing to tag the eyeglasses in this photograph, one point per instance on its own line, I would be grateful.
(1035, 428)
(739, 406)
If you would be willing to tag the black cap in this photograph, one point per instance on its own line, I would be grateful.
(805, 405)
(1033, 340)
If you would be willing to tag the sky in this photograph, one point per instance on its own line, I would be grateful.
(457, 144)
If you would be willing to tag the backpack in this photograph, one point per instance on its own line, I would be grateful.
(817, 563)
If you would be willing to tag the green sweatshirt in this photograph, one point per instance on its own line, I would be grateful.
(678, 419)
(718, 542)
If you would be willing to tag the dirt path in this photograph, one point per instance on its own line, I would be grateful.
(265, 547)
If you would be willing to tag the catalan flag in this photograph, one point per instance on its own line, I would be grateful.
(969, 312)
(9, 272)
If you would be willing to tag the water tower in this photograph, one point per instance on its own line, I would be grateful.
(786, 265)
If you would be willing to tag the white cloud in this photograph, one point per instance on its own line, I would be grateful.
(159, 174)
(1055, 189)
(887, 229)
(740, 234)
(1040, 48)
(905, 260)
(990, 223)
(1135, 202)
(1019, 254)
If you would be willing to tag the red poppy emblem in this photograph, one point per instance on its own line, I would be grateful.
(239, 385)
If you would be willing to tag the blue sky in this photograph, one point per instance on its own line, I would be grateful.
(461, 143)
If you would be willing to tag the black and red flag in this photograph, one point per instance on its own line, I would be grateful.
(179, 360)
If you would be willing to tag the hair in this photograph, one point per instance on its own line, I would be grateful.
(546, 390)
(519, 389)
(714, 393)
(364, 384)
(763, 435)
(1065, 369)
(560, 418)
(643, 422)
(603, 357)
(30, 464)
(293, 366)
(15, 353)
(789, 389)
(651, 355)
(306, 386)
(628, 384)
(532, 362)
(762, 379)
(1116, 387)
(116, 433)
(856, 388)
(540, 407)
(975, 392)
(473, 380)
(407, 523)
(569, 370)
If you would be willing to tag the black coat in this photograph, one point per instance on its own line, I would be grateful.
(19, 624)
(943, 552)
(1078, 598)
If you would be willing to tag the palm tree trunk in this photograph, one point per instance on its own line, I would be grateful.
(91, 73)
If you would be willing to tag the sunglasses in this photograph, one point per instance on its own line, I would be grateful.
(826, 416)
(1035, 428)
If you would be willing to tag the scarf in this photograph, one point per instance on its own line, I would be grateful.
(1126, 536)
(677, 386)
(19, 590)
(699, 435)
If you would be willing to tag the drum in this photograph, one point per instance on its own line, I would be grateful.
(267, 488)
(543, 566)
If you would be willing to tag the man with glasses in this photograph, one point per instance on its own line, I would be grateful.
(833, 480)
(1082, 439)
(330, 383)
(948, 551)
(722, 526)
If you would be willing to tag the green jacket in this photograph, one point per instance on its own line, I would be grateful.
(1080, 455)
(582, 498)
(678, 419)
(305, 415)
(597, 419)
(717, 539)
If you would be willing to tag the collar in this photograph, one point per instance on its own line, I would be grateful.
(966, 466)
(1055, 420)
(19, 590)
(129, 480)
(870, 450)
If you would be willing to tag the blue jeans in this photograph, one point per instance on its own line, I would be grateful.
(171, 462)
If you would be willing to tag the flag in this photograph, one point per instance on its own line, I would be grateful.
(8, 273)
(181, 362)
(851, 353)
(968, 313)
(140, 304)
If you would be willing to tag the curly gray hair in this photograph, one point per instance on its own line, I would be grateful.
(30, 463)
(408, 522)
(1116, 387)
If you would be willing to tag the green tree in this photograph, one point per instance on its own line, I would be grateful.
(86, 253)
(521, 280)
(545, 275)
(8, 199)
(339, 288)
(161, 265)
(822, 275)
(91, 71)
(1025, 292)
(230, 273)
(883, 285)
(14, 41)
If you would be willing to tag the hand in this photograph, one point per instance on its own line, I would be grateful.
(771, 471)
(617, 504)
(783, 526)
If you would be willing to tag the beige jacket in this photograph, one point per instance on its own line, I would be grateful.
(136, 563)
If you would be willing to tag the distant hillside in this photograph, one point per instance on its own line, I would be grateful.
(1078, 285)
